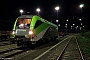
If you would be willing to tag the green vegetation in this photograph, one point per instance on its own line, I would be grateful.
(84, 42)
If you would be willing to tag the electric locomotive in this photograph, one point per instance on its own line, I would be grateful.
(29, 29)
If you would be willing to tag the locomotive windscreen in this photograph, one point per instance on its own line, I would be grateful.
(23, 23)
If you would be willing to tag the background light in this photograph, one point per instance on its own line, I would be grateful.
(21, 11)
(56, 20)
(57, 8)
(73, 24)
(58, 24)
(80, 19)
(38, 9)
(67, 20)
(81, 5)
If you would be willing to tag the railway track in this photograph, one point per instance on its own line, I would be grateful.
(76, 53)
(5, 43)
(37, 52)
(54, 51)
(12, 52)
(66, 49)
(32, 51)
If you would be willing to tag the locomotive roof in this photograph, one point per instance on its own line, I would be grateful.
(25, 16)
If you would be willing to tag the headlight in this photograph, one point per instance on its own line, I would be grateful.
(30, 32)
(13, 32)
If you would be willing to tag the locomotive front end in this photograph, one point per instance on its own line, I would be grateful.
(21, 33)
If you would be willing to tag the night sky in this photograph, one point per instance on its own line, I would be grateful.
(69, 9)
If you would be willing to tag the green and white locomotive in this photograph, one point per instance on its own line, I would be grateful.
(29, 29)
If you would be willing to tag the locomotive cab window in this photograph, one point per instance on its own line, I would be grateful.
(38, 23)
(23, 23)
